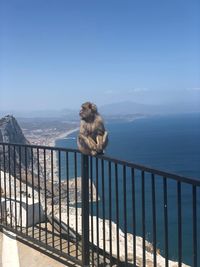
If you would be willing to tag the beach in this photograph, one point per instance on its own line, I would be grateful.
(63, 135)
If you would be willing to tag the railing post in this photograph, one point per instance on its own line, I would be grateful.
(85, 209)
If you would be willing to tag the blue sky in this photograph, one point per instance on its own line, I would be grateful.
(58, 54)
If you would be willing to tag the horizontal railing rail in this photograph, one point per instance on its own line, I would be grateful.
(189, 180)
(99, 210)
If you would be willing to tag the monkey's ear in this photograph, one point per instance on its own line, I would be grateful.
(94, 107)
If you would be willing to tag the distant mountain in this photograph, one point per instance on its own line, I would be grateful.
(128, 107)
(124, 108)
(112, 109)
(68, 114)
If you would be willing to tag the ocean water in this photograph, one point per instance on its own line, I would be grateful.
(169, 143)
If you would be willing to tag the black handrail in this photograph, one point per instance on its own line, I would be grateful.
(177, 177)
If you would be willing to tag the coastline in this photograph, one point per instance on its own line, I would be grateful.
(52, 142)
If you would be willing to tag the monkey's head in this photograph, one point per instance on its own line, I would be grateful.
(88, 111)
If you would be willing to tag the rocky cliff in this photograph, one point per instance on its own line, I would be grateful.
(10, 131)
(12, 157)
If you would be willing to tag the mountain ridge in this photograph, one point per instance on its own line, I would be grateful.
(116, 108)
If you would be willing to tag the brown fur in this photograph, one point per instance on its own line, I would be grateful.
(92, 138)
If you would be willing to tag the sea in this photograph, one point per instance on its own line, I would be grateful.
(170, 143)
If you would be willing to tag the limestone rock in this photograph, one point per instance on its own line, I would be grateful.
(10, 131)
(16, 160)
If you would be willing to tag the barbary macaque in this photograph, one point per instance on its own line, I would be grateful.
(92, 138)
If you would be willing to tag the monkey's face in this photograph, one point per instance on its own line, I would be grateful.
(88, 111)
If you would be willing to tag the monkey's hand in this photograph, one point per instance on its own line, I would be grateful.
(102, 141)
(93, 152)
(92, 144)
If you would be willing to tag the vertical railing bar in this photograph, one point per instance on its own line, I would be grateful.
(103, 209)
(194, 213)
(110, 209)
(133, 214)
(125, 215)
(20, 185)
(59, 186)
(15, 185)
(26, 179)
(10, 188)
(117, 210)
(67, 174)
(179, 224)
(5, 187)
(97, 209)
(52, 197)
(38, 165)
(154, 219)
(76, 199)
(143, 220)
(45, 194)
(33, 191)
(92, 211)
(85, 210)
(165, 219)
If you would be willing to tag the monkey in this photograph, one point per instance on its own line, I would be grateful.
(92, 138)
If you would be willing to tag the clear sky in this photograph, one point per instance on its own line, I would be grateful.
(57, 54)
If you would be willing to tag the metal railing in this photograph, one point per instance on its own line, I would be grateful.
(98, 211)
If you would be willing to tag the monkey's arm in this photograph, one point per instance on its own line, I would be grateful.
(102, 141)
(88, 141)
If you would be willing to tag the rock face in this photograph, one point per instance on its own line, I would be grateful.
(10, 157)
(10, 131)
(105, 224)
